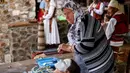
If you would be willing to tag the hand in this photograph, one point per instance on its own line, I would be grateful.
(63, 48)
(103, 24)
(40, 22)
(41, 18)
(91, 8)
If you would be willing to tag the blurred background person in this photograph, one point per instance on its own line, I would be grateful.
(50, 24)
(117, 26)
(96, 9)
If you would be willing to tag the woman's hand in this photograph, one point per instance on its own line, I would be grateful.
(41, 20)
(103, 24)
(91, 8)
(64, 48)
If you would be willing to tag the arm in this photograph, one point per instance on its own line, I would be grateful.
(90, 8)
(89, 33)
(65, 48)
(50, 13)
(85, 42)
(110, 28)
(100, 10)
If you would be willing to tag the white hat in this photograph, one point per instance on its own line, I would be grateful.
(114, 3)
(62, 65)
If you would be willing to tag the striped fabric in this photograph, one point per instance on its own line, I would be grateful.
(94, 47)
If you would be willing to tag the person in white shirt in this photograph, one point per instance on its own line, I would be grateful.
(96, 9)
(50, 24)
(117, 26)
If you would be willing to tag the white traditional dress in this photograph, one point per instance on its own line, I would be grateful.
(51, 36)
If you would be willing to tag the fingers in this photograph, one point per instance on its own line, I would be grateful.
(92, 8)
(61, 48)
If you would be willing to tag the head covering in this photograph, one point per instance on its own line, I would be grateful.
(52, 3)
(114, 3)
(71, 5)
(78, 11)
(62, 65)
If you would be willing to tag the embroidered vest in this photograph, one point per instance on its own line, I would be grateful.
(120, 28)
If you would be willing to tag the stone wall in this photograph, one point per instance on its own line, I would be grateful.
(13, 11)
(17, 11)
(23, 40)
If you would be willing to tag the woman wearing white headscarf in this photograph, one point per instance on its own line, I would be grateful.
(87, 41)
(50, 24)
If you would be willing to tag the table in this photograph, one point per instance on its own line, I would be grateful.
(27, 65)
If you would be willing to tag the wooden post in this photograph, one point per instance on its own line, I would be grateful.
(1, 55)
(41, 40)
